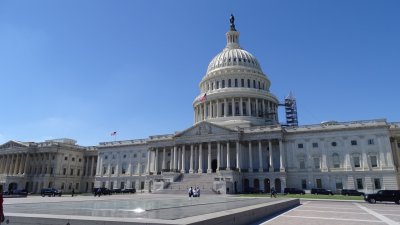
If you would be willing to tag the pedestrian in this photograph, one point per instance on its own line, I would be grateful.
(198, 192)
(73, 192)
(273, 192)
(190, 192)
(98, 192)
(1, 205)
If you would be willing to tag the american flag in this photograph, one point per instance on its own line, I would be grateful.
(114, 133)
(203, 98)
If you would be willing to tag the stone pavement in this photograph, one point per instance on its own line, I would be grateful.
(338, 213)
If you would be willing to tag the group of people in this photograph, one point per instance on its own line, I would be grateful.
(194, 192)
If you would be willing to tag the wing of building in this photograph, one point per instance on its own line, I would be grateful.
(235, 145)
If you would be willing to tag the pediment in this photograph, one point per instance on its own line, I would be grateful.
(13, 144)
(204, 128)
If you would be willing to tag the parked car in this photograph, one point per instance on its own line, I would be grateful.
(50, 192)
(384, 196)
(352, 192)
(116, 190)
(103, 191)
(129, 190)
(293, 191)
(321, 191)
(20, 192)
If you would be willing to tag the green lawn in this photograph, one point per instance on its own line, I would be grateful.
(339, 197)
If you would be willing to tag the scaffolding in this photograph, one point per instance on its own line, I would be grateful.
(291, 111)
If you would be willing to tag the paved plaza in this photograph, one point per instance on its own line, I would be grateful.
(136, 208)
(338, 213)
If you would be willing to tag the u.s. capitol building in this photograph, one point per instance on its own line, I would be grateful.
(237, 144)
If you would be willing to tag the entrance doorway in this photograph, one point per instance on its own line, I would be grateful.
(246, 185)
(12, 186)
(278, 185)
(267, 186)
(214, 165)
(319, 183)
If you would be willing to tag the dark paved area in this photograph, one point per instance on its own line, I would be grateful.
(134, 206)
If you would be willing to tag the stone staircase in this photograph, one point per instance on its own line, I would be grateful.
(203, 181)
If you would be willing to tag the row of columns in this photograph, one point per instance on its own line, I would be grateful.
(213, 109)
(90, 171)
(14, 164)
(178, 158)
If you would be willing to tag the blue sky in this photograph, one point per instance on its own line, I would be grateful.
(82, 69)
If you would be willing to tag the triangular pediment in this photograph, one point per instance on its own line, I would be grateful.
(13, 144)
(204, 128)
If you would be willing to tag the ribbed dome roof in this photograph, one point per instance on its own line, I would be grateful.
(234, 57)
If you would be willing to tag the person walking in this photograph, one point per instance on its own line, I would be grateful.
(190, 192)
(198, 192)
(273, 192)
(73, 192)
(2, 218)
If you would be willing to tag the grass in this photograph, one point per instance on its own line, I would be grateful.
(310, 196)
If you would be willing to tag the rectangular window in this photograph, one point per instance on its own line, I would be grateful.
(300, 145)
(254, 84)
(242, 82)
(339, 184)
(112, 170)
(71, 172)
(319, 183)
(317, 164)
(70, 186)
(315, 145)
(104, 170)
(217, 84)
(223, 83)
(236, 83)
(304, 183)
(374, 161)
(302, 163)
(65, 158)
(356, 161)
(377, 183)
(334, 144)
(79, 172)
(51, 170)
(64, 171)
(370, 141)
(122, 185)
(77, 186)
(229, 83)
(353, 142)
(360, 183)
(248, 83)
(62, 186)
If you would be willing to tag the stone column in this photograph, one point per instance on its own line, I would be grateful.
(86, 165)
(228, 157)
(204, 111)
(183, 169)
(9, 164)
(281, 156)
(250, 158)
(256, 107)
(175, 159)
(2, 163)
(195, 162)
(21, 164)
(218, 155)
(225, 107)
(171, 163)
(233, 107)
(263, 108)
(148, 161)
(200, 170)
(249, 106)
(396, 149)
(241, 106)
(179, 159)
(260, 169)
(156, 161)
(271, 164)
(15, 166)
(238, 155)
(163, 159)
(191, 159)
(209, 169)
(218, 108)
(210, 109)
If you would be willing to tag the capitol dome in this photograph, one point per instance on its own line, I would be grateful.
(235, 91)
(234, 57)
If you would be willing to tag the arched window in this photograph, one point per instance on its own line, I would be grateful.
(335, 160)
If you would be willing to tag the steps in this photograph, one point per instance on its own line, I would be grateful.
(203, 181)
